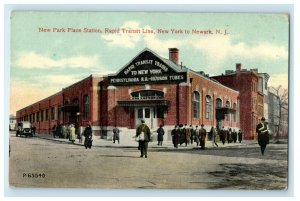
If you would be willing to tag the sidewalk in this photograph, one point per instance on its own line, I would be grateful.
(98, 142)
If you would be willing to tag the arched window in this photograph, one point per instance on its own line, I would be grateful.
(147, 95)
(208, 101)
(196, 104)
(228, 114)
(219, 103)
(236, 112)
(86, 107)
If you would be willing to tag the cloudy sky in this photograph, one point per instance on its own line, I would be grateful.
(42, 63)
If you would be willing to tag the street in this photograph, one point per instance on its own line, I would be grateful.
(38, 162)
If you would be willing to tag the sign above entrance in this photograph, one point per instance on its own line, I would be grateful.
(148, 68)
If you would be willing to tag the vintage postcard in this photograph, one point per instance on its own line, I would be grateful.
(135, 100)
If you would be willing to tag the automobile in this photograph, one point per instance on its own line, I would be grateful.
(24, 128)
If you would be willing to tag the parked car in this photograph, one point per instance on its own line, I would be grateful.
(24, 128)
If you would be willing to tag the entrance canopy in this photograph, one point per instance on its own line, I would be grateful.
(142, 103)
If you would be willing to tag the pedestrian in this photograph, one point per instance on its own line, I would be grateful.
(202, 134)
(33, 130)
(54, 131)
(213, 135)
(68, 131)
(143, 133)
(223, 135)
(192, 133)
(116, 136)
(88, 136)
(78, 133)
(175, 136)
(229, 136)
(262, 135)
(160, 135)
(187, 133)
(240, 136)
(58, 131)
(234, 136)
(64, 131)
(197, 135)
(181, 134)
(72, 133)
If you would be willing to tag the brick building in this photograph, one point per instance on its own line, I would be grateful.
(250, 85)
(149, 87)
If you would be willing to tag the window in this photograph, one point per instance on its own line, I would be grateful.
(86, 107)
(59, 112)
(228, 114)
(147, 95)
(196, 104)
(236, 112)
(42, 115)
(38, 116)
(53, 115)
(47, 114)
(219, 103)
(208, 114)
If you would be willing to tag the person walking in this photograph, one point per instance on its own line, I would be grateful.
(175, 136)
(88, 136)
(116, 136)
(262, 135)
(234, 136)
(202, 133)
(160, 135)
(213, 135)
(197, 135)
(223, 135)
(229, 136)
(192, 134)
(72, 133)
(240, 136)
(143, 132)
(187, 133)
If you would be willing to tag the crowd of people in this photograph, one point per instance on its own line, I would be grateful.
(73, 132)
(181, 135)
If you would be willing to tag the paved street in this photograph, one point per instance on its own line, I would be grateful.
(46, 162)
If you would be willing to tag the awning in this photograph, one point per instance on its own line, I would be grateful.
(70, 108)
(226, 110)
(142, 103)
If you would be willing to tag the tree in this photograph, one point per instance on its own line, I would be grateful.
(283, 109)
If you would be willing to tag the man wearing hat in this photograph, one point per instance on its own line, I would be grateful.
(202, 133)
(143, 132)
(262, 135)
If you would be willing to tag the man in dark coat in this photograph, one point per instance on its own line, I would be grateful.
(202, 133)
(143, 131)
(88, 134)
(262, 135)
(160, 135)
(240, 136)
(116, 136)
(192, 134)
(234, 136)
(175, 136)
(223, 135)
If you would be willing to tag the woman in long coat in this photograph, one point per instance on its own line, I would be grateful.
(160, 135)
(175, 136)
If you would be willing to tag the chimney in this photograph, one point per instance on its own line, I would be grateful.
(174, 55)
(238, 67)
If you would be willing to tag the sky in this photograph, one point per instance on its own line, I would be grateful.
(42, 63)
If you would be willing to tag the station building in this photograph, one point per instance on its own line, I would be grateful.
(159, 90)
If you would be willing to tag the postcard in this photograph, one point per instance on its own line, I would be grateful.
(149, 100)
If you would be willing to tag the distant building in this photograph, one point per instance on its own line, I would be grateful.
(251, 86)
(12, 122)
